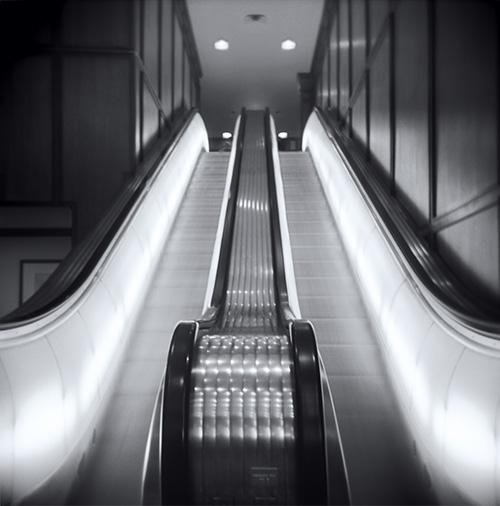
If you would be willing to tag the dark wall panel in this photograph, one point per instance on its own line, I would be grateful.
(344, 62)
(98, 23)
(150, 116)
(358, 39)
(151, 42)
(466, 101)
(166, 60)
(359, 117)
(178, 67)
(380, 126)
(187, 82)
(26, 130)
(334, 55)
(411, 108)
(325, 84)
(96, 132)
(377, 12)
(471, 248)
(424, 107)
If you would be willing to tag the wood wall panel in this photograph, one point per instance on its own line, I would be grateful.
(178, 67)
(466, 101)
(98, 24)
(358, 39)
(325, 85)
(377, 13)
(26, 130)
(412, 108)
(167, 57)
(150, 117)
(334, 60)
(359, 126)
(151, 42)
(187, 82)
(344, 60)
(380, 126)
(471, 248)
(96, 133)
(431, 122)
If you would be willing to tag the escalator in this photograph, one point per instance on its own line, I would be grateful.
(177, 290)
(242, 411)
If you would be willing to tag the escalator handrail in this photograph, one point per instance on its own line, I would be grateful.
(313, 464)
(311, 441)
(285, 313)
(219, 291)
(428, 272)
(76, 268)
(175, 416)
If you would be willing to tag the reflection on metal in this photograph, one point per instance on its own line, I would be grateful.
(242, 427)
(242, 420)
(243, 417)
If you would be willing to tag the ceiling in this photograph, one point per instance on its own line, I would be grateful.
(254, 72)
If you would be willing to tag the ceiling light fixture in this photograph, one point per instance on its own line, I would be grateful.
(221, 45)
(283, 135)
(226, 135)
(288, 45)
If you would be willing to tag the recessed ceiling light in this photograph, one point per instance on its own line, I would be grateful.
(283, 135)
(288, 45)
(226, 135)
(221, 45)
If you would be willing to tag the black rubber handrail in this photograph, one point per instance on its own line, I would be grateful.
(285, 314)
(396, 225)
(210, 317)
(175, 416)
(311, 441)
(313, 465)
(174, 429)
(80, 263)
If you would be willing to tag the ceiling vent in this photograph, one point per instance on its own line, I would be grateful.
(255, 18)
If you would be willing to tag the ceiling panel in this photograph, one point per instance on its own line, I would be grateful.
(254, 72)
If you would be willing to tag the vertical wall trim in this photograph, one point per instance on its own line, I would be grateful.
(367, 78)
(496, 7)
(431, 72)
(328, 69)
(183, 80)
(190, 86)
(134, 114)
(160, 60)
(57, 128)
(57, 119)
(348, 117)
(142, 20)
(172, 57)
(337, 13)
(392, 102)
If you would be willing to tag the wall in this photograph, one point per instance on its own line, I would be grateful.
(415, 85)
(86, 90)
(85, 93)
(33, 240)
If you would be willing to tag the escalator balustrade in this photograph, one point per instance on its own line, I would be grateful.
(242, 411)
